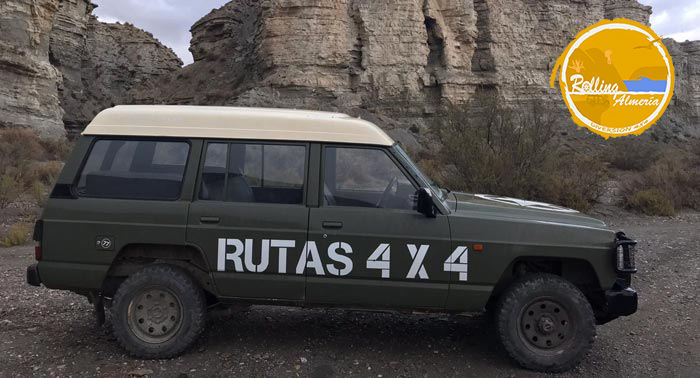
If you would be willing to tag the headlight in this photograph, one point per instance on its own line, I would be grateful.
(620, 257)
(624, 253)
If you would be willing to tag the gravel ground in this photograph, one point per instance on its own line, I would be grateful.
(47, 333)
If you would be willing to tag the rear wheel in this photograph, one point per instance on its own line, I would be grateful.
(545, 323)
(158, 312)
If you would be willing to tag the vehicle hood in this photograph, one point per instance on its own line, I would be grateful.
(491, 206)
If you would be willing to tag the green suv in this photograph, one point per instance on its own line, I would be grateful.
(164, 211)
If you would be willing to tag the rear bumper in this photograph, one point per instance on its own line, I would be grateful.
(33, 275)
(67, 276)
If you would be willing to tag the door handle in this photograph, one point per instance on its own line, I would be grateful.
(209, 219)
(332, 224)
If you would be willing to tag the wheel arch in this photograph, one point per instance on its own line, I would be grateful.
(133, 257)
(578, 271)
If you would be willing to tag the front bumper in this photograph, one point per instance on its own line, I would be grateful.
(33, 275)
(621, 299)
(621, 302)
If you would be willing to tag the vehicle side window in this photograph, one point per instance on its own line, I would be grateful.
(131, 169)
(214, 172)
(253, 172)
(365, 177)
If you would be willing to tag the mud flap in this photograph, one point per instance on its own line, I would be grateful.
(98, 303)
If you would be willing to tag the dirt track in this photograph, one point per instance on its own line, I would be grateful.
(51, 333)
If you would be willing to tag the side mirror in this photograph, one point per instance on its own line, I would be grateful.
(425, 203)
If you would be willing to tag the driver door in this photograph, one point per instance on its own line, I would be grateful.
(368, 246)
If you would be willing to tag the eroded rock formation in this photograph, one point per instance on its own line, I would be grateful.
(28, 82)
(685, 104)
(629, 9)
(401, 59)
(59, 65)
(398, 61)
(102, 62)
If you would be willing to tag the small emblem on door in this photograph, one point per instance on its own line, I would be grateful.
(104, 243)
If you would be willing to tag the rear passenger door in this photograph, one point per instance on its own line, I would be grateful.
(249, 217)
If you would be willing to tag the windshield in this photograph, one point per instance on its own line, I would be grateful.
(418, 173)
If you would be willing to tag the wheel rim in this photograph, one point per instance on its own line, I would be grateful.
(155, 315)
(545, 324)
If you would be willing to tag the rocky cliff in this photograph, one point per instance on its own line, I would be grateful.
(67, 51)
(61, 65)
(685, 104)
(399, 61)
(28, 93)
(402, 59)
(101, 62)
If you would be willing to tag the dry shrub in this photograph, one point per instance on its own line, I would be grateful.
(634, 153)
(28, 164)
(651, 202)
(674, 178)
(18, 234)
(575, 181)
(489, 147)
(56, 149)
(39, 194)
(18, 147)
(10, 190)
(45, 173)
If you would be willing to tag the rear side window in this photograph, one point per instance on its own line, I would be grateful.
(252, 172)
(130, 169)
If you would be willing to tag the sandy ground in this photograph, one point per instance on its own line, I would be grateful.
(47, 333)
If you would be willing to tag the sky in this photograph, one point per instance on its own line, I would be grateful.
(170, 20)
(167, 20)
(677, 19)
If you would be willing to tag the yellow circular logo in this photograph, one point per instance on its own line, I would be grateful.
(616, 78)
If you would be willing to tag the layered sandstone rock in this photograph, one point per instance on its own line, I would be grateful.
(685, 104)
(224, 61)
(28, 93)
(401, 59)
(398, 61)
(524, 38)
(60, 66)
(629, 9)
(119, 58)
(67, 52)
(102, 62)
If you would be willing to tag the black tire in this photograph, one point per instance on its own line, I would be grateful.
(179, 302)
(545, 323)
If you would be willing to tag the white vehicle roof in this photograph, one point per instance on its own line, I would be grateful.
(235, 123)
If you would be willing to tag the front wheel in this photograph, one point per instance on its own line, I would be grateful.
(158, 312)
(545, 323)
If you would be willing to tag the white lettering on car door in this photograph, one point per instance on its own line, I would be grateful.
(380, 259)
(337, 257)
(282, 245)
(235, 256)
(338, 252)
(310, 251)
(458, 262)
(417, 268)
(264, 256)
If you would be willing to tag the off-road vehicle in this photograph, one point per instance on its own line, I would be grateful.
(164, 211)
